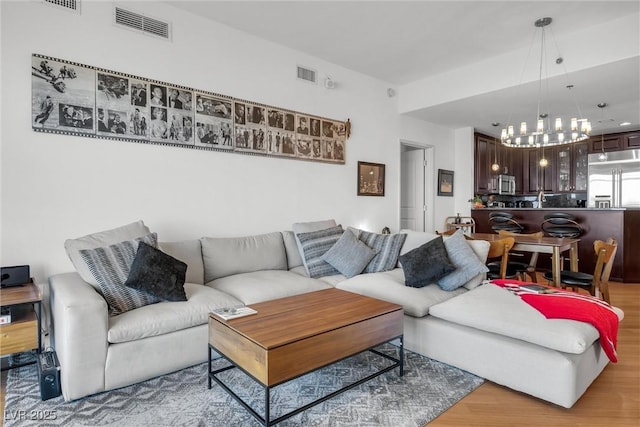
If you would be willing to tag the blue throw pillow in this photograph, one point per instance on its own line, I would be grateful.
(426, 264)
(464, 259)
(349, 255)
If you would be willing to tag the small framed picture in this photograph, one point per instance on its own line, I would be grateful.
(445, 182)
(370, 179)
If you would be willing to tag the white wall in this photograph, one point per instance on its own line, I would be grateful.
(56, 187)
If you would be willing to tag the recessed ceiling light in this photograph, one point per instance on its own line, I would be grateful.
(625, 123)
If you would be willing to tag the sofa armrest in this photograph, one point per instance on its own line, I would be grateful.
(80, 322)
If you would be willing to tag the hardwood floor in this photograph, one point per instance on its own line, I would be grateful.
(612, 400)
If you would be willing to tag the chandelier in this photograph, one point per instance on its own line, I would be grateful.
(543, 132)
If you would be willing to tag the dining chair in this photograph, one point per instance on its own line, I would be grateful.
(595, 283)
(499, 251)
(522, 268)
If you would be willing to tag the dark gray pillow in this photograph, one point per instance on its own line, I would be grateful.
(157, 274)
(426, 264)
(349, 255)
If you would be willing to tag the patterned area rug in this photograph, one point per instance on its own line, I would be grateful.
(426, 390)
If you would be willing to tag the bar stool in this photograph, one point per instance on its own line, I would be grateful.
(561, 224)
(504, 221)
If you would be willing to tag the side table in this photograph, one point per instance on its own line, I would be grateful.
(24, 332)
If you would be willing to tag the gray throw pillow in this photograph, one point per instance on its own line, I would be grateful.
(387, 247)
(426, 264)
(464, 259)
(349, 255)
(314, 245)
(157, 274)
(110, 267)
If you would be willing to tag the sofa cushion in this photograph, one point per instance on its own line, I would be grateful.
(465, 261)
(314, 245)
(98, 240)
(110, 266)
(493, 309)
(190, 252)
(259, 286)
(166, 317)
(387, 247)
(389, 286)
(226, 256)
(157, 274)
(349, 255)
(426, 264)
(294, 259)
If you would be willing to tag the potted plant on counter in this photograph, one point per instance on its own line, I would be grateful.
(476, 202)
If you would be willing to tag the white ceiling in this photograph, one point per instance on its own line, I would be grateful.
(405, 41)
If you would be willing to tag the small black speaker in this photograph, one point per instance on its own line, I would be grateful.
(14, 276)
(49, 375)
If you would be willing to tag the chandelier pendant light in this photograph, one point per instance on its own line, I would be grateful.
(542, 133)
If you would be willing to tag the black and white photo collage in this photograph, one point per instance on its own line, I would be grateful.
(77, 99)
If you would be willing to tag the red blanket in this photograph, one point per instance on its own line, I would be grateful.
(562, 304)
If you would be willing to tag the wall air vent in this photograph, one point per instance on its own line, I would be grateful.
(142, 23)
(71, 5)
(307, 74)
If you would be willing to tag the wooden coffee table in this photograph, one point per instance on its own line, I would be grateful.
(293, 336)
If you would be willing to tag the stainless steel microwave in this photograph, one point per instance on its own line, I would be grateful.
(506, 184)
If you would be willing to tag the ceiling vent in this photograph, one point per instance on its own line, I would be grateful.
(70, 5)
(142, 23)
(307, 74)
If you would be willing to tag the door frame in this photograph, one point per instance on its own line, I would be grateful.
(429, 181)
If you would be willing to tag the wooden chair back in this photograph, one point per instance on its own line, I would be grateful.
(500, 249)
(533, 261)
(606, 252)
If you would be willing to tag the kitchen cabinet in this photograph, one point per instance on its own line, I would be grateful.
(487, 151)
(535, 177)
(484, 153)
(571, 167)
(632, 140)
(609, 142)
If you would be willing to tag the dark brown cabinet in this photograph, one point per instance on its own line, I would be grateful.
(489, 151)
(632, 140)
(538, 178)
(571, 167)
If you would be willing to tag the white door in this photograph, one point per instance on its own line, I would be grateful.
(412, 194)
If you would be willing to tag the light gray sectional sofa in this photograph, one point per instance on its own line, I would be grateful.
(483, 329)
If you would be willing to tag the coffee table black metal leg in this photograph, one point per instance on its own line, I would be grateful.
(267, 403)
(209, 371)
(401, 355)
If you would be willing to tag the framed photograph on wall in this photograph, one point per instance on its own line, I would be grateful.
(445, 182)
(370, 179)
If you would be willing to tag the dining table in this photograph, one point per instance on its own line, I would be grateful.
(546, 245)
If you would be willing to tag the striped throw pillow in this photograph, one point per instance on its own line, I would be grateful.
(387, 247)
(110, 266)
(314, 245)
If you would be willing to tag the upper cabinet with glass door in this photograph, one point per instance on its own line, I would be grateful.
(572, 167)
